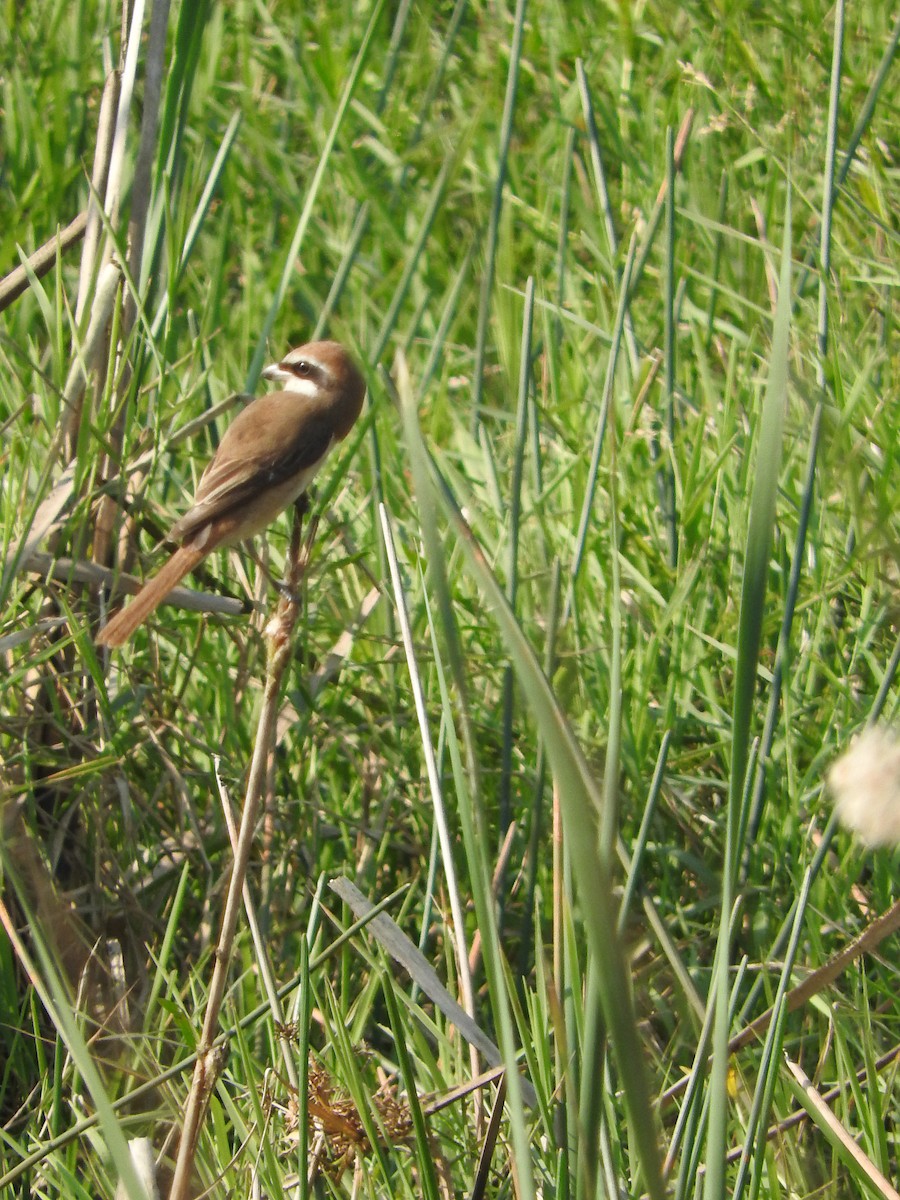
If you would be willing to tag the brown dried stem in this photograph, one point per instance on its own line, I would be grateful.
(209, 1058)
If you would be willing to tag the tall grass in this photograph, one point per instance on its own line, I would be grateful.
(605, 577)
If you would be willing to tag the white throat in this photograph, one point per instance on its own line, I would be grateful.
(303, 387)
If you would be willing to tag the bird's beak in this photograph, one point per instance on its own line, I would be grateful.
(276, 373)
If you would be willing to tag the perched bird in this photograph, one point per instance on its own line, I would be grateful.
(266, 460)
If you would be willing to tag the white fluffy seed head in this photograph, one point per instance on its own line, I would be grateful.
(865, 783)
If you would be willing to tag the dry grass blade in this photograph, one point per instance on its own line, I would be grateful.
(822, 1115)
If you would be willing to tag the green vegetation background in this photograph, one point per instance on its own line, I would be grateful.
(395, 176)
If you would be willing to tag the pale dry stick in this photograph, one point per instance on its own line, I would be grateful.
(209, 1056)
(814, 1102)
(43, 521)
(140, 189)
(871, 937)
(90, 355)
(82, 571)
(801, 1114)
(51, 508)
(113, 195)
(109, 103)
(42, 261)
(262, 957)
(109, 158)
(140, 205)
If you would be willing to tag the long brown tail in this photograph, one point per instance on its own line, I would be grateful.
(117, 631)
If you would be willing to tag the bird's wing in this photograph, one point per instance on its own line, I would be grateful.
(252, 465)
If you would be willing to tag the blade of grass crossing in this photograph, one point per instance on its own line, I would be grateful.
(540, 779)
(200, 213)
(390, 317)
(471, 818)
(609, 813)
(783, 649)
(487, 279)
(303, 1016)
(393, 53)
(512, 568)
(48, 984)
(666, 469)
(828, 194)
(581, 800)
(590, 125)
(590, 1104)
(717, 258)
(446, 319)
(440, 812)
(753, 591)
(427, 1178)
(637, 853)
(770, 1065)
(563, 238)
(859, 129)
(858, 1167)
(599, 435)
(348, 258)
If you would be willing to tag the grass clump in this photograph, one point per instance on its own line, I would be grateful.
(604, 581)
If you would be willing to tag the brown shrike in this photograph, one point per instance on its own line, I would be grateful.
(266, 460)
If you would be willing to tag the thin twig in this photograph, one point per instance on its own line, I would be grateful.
(106, 123)
(209, 1060)
(827, 1121)
(42, 261)
(872, 936)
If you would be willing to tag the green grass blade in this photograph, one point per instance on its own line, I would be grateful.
(582, 804)
(487, 278)
(753, 592)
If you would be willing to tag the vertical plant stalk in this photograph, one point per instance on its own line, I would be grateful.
(753, 591)
(210, 1057)
(473, 824)
(666, 470)
(754, 1145)
(440, 812)
(109, 104)
(512, 570)
(487, 279)
(678, 154)
(140, 204)
(260, 949)
(600, 434)
(581, 801)
(312, 195)
(71, 421)
(590, 125)
(140, 190)
(113, 197)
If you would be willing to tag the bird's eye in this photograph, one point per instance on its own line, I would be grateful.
(302, 368)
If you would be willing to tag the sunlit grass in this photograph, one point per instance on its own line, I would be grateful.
(644, 511)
